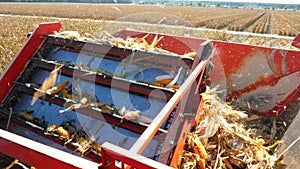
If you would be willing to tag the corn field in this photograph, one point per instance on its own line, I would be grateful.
(14, 29)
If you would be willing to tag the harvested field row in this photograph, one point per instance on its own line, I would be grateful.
(262, 25)
(280, 22)
(243, 23)
(223, 21)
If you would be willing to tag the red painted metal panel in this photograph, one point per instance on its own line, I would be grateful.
(254, 74)
(296, 41)
(20, 60)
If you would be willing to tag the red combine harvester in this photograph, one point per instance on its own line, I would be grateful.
(111, 104)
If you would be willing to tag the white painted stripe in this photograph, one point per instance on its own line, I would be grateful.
(129, 154)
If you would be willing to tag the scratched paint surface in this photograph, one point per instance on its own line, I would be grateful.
(265, 79)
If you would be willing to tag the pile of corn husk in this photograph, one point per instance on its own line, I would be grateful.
(221, 140)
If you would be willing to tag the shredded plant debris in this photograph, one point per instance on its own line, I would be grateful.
(221, 140)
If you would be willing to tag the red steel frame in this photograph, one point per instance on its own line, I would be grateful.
(234, 58)
(19, 62)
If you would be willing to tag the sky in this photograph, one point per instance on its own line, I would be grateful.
(263, 1)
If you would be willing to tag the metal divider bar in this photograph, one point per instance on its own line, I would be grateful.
(148, 134)
(119, 83)
(94, 113)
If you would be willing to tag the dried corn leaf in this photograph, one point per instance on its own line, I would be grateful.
(199, 148)
(155, 41)
(12, 164)
(58, 88)
(47, 84)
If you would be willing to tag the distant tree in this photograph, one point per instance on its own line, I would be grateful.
(218, 5)
(199, 4)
